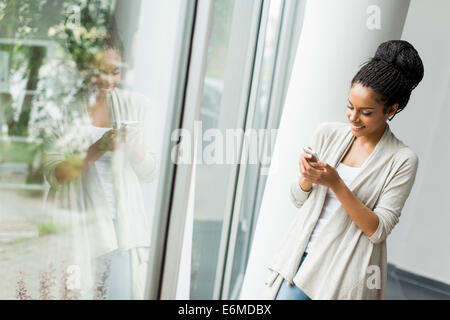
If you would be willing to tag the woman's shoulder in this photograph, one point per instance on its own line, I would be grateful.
(407, 156)
(402, 151)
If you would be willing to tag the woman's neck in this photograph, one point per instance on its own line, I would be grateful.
(372, 140)
(101, 97)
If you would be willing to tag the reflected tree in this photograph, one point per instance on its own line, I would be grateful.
(29, 29)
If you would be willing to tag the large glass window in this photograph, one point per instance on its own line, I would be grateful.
(256, 173)
(226, 84)
(249, 49)
(86, 87)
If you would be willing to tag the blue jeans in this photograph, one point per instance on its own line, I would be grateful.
(292, 292)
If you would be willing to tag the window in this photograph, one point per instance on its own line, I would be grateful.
(87, 102)
(245, 76)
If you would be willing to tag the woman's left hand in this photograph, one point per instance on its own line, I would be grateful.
(320, 173)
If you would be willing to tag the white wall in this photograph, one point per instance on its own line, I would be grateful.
(420, 243)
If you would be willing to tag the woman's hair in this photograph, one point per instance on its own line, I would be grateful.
(394, 71)
(98, 33)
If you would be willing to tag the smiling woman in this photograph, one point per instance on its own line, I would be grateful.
(365, 176)
(103, 181)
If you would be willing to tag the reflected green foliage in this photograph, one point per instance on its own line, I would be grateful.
(43, 43)
(25, 62)
(46, 228)
(19, 151)
(23, 239)
(29, 19)
(86, 42)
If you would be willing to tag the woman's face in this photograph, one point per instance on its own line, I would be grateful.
(365, 113)
(109, 71)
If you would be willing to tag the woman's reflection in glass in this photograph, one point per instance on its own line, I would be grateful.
(100, 176)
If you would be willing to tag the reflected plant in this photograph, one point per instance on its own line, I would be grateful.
(101, 289)
(67, 292)
(21, 289)
(86, 42)
(47, 281)
(48, 83)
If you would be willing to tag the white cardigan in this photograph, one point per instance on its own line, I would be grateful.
(83, 199)
(344, 262)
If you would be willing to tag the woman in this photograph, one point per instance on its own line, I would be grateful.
(100, 151)
(352, 198)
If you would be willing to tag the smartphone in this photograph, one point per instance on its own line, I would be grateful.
(315, 157)
(128, 123)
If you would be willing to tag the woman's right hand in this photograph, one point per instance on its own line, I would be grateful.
(108, 141)
(75, 166)
(303, 163)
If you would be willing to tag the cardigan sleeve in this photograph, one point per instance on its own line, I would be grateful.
(65, 134)
(50, 161)
(297, 195)
(393, 198)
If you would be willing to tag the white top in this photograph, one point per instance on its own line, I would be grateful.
(103, 166)
(347, 174)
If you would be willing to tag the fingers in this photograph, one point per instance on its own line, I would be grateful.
(321, 166)
(111, 134)
(301, 167)
(310, 164)
(308, 171)
(311, 171)
(108, 140)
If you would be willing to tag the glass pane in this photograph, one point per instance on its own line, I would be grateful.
(208, 207)
(256, 174)
(84, 91)
(222, 117)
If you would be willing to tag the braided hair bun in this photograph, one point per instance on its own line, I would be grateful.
(394, 71)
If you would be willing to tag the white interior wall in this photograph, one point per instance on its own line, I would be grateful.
(420, 243)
